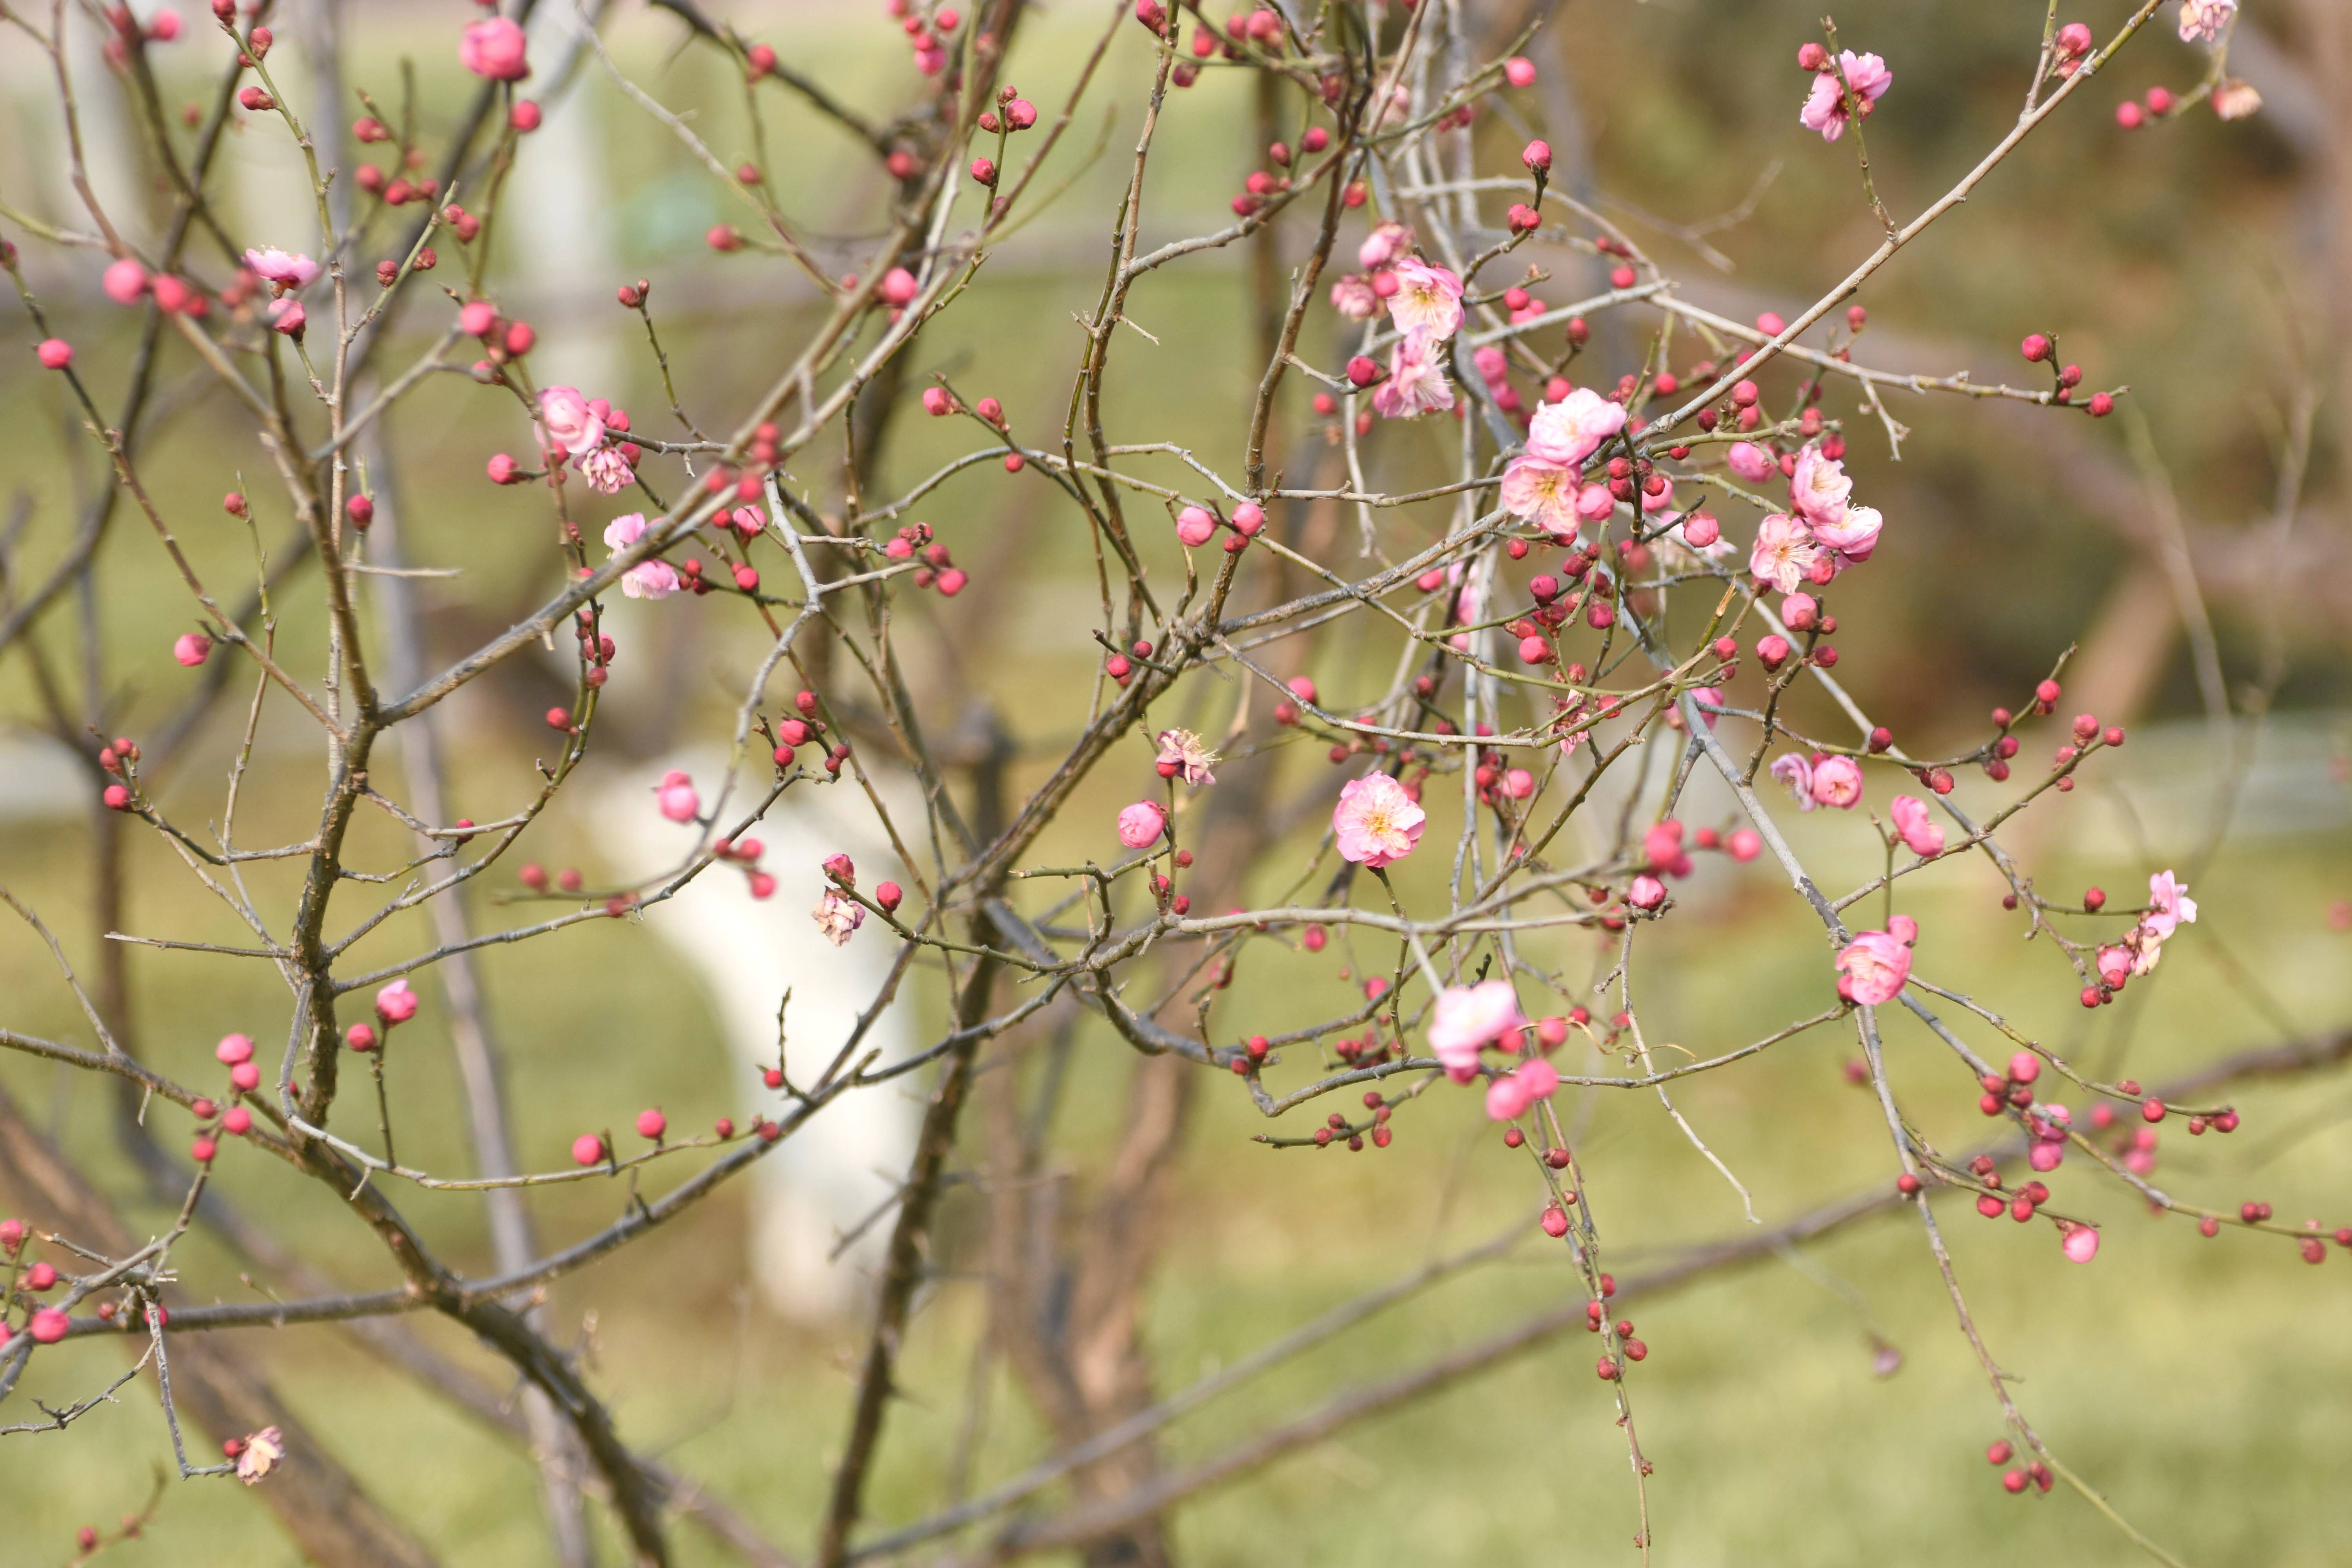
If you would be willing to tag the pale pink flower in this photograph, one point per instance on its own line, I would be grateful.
(282, 270)
(1825, 108)
(1353, 298)
(1376, 821)
(494, 51)
(571, 425)
(837, 915)
(1854, 535)
(260, 1454)
(2170, 906)
(607, 472)
(1542, 491)
(1796, 771)
(1141, 825)
(1750, 462)
(1923, 837)
(677, 797)
(1428, 299)
(2082, 1244)
(1785, 553)
(1573, 428)
(1818, 487)
(1875, 965)
(1416, 382)
(1466, 1019)
(1185, 755)
(1383, 245)
(2236, 98)
(2202, 21)
(1837, 780)
(650, 579)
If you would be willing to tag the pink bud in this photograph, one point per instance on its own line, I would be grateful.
(233, 1050)
(936, 401)
(2082, 1244)
(48, 1326)
(2024, 1067)
(1521, 71)
(192, 648)
(897, 286)
(1142, 824)
(124, 282)
(55, 353)
(1196, 526)
(477, 316)
(1536, 156)
(395, 1003)
(588, 1149)
(651, 1123)
(1745, 843)
(677, 799)
(1248, 519)
(1646, 893)
(838, 867)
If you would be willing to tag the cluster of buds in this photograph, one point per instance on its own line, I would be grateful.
(746, 853)
(2041, 348)
(926, 36)
(503, 341)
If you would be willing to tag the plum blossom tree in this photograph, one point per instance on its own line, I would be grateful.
(1510, 621)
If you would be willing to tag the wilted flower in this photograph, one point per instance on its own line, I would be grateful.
(837, 915)
(1183, 754)
(1353, 298)
(2202, 21)
(607, 471)
(259, 1454)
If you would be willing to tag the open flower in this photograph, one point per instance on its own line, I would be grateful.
(2170, 906)
(259, 1454)
(1825, 105)
(1428, 299)
(1416, 382)
(1796, 771)
(1542, 491)
(1466, 1019)
(607, 472)
(1837, 780)
(1854, 535)
(1921, 836)
(837, 915)
(1818, 487)
(1353, 298)
(654, 579)
(1785, 553)
(1872, 967)
(282, 270)
(2202, 21)
(571, 425)
(1573, 428)
(1376, 821)
(1185, 755)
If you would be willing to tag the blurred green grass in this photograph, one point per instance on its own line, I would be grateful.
(2192, 1380)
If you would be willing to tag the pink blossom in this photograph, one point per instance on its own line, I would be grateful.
(395, 1003)
(1428, 299)
(1785, 553)
(259, 1454)
(1416, 382)
(837, 915)
(287, 316)
(494, 51)
(1837, 780)
(1796, 771)
(650, 579)
(1921, 836)
(1818, 487)
(125, 281)
(1544, 492)
(2082, 1244)
(607, 471)
(2170, 906)
(571, 424)
(1466, 1019)
(282, 270)
(2202, 21)
(1750, 462)
(1875, 965)
(1825, 107)
(1573, 428)
(1506, 1097)
(1185, 755)
(1854, 535)
(1353, 298)
(192, 648)
(677, 797)
(1376, 822)
(1142, 824)
(1383, 245)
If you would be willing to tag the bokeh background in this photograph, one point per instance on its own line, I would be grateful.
(2203, 265)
